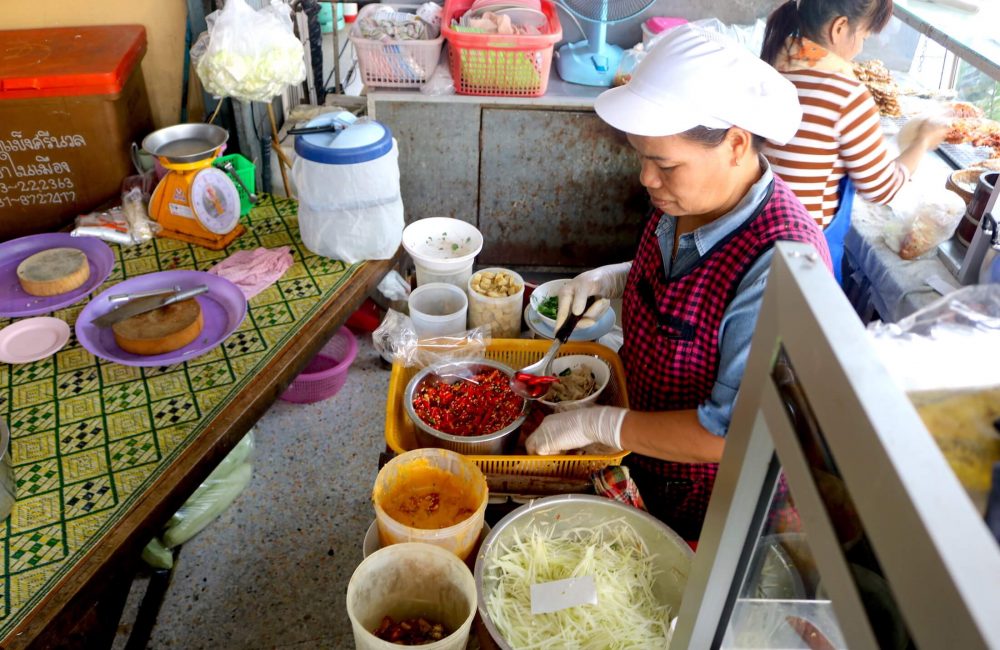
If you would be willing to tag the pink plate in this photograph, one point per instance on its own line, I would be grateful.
(32, 339)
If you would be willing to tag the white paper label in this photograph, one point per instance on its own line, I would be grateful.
(180, 210)
(548, 597)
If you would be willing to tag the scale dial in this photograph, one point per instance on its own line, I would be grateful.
(215, 201)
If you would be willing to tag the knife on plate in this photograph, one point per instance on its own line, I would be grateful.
(126, 297)
(142, 305)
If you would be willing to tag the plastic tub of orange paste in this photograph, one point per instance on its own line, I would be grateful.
(433, 496)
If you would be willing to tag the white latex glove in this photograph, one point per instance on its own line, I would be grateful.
(605, 281)
(561, 432)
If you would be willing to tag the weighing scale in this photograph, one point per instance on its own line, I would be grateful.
(194, 201)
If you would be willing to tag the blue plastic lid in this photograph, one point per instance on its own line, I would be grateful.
(357, 142)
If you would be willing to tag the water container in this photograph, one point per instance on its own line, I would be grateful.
(347, 179)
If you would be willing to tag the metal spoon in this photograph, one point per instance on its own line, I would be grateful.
(230, 169)
(532, 382)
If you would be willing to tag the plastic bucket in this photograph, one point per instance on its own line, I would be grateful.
(458, 277)
(502, 314)
(402, 471)
(442, 244)
(409, 581)
(438, 309)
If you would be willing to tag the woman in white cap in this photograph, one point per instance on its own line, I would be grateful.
(696, 110)
(839, 149)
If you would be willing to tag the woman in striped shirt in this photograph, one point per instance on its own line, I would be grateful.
(839, 146)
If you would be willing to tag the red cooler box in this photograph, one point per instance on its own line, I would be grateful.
(72, 100)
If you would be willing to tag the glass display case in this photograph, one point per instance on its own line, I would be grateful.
(836, 521)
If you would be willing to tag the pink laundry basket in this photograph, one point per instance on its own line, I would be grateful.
(326, 373)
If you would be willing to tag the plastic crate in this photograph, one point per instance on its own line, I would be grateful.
(516, 353)
(398, 64)
(247, 173)
(499, 65)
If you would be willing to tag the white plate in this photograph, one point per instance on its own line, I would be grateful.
(32, 339)
(604, 325)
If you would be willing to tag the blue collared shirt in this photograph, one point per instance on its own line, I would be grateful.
(740, 317)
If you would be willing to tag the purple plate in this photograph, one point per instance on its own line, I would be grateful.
(14, 302)
(223, 308)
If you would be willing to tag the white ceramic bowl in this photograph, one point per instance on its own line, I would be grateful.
(601, 371)
(543, 291)
(442, 244)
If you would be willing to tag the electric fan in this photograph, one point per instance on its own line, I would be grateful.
(593, 62)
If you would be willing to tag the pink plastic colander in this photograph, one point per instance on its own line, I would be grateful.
(326, 373)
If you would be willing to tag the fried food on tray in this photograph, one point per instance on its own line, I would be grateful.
(977, 132)
(964, 109)
(876, 77)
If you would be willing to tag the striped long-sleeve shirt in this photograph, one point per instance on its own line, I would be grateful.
(840, 134)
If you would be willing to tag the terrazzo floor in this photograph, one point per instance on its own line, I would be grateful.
(272, 571)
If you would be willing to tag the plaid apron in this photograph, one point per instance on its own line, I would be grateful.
(671, 351)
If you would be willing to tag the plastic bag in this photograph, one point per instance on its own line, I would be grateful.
(209, 500)
(394, 287)
(249, 55)
(630, 59)
(386, 334)
(947, 359)
(396, 341)
(141, 227)
(126, 225)
(951, 343)
(440, 83)
(923, 218)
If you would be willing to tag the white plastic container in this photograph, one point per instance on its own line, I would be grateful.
(502, 314)
(407, 581)
(458, 539)
(458, 277)
(347, 184)
(443, 249)
(438, 309)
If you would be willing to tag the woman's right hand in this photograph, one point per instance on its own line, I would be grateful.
(923, 133)
(932, 132)
(604, 282)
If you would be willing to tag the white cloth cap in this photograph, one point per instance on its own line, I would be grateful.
(693, 77)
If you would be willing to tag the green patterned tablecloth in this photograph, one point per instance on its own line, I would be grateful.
(89, 436)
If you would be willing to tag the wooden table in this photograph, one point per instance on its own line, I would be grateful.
(316, 294)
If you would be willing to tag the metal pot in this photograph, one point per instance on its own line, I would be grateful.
(671, 554)
(498, 442)
(184, 143)
(7, 485)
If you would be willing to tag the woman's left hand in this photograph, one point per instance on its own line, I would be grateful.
(561, 432)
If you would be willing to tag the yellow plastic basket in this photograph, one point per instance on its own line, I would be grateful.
(516, 353)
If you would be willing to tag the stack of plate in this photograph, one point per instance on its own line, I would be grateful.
(527, 13)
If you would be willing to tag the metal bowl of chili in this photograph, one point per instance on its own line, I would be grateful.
(450, 405)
